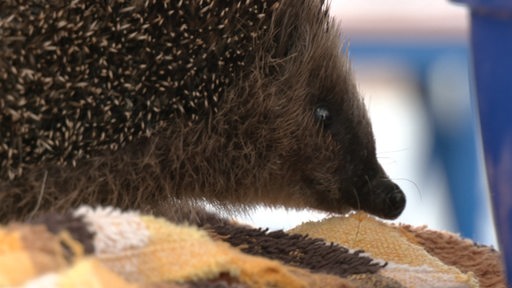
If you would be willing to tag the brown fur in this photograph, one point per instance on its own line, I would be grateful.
(262, 146)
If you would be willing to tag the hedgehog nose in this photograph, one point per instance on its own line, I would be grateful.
(387, 200)
(395, 202)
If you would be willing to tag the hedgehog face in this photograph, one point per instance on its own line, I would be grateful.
(362, 182)
(335, 156)
(304, 139)
(345, 128)
(338, 165)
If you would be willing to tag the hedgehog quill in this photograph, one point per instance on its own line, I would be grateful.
(134, 103)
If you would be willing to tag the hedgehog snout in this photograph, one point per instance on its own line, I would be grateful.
(387, 200)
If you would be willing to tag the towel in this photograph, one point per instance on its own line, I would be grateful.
(107, 247)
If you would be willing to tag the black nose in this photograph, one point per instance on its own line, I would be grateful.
(384, 199)
(395, 203)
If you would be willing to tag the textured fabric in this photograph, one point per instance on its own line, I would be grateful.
(33, 250)
(408, 262)
(126, 249)
(298, 250)
(162, 251)
(130, 249)
(483, 261)
(84, 273)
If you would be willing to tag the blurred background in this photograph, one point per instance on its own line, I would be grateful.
(410, 58)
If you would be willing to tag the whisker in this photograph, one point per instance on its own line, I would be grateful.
(412, 182)
(369, 182)
(358, 208)
(40, 198)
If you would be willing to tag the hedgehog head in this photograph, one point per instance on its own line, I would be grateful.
(132, 103)
(294, 130)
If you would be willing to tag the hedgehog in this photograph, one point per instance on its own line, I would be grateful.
(140, 103)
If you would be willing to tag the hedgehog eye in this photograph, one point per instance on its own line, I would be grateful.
(323, 115)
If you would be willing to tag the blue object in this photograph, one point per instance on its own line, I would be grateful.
(491, 40)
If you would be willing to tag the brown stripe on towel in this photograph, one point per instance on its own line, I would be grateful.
(223, 281)
(298, 250)
(293, 249)
(75, 226)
